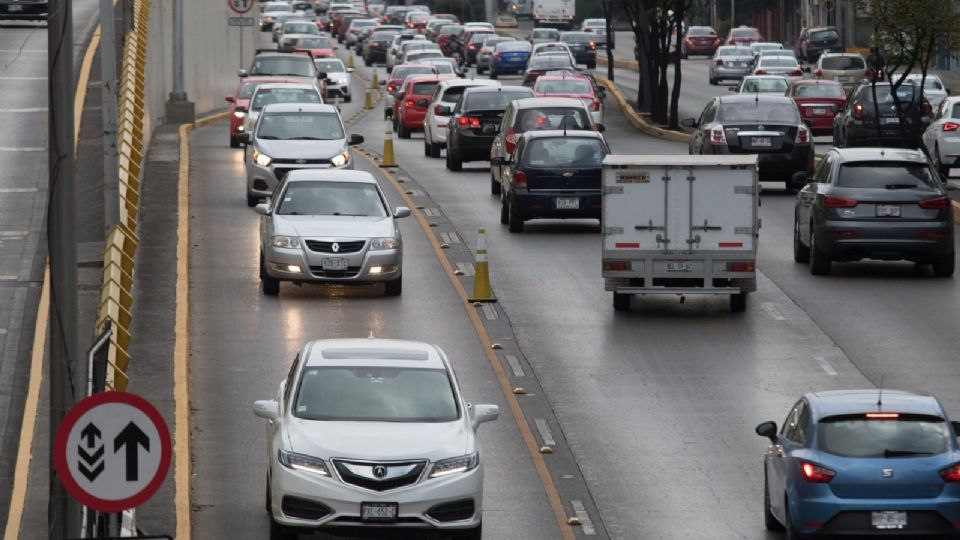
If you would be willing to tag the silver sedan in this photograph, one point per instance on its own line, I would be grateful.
(730, 62)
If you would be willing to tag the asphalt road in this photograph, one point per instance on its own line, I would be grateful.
(657, 406)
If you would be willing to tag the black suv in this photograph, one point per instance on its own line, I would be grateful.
(475, 121)
(856, 124)
(767, 125)
(582, 46)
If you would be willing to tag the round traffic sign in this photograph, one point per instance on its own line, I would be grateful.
(112, 451)
(240, 6)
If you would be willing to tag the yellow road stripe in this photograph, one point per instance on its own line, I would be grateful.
(549, 488)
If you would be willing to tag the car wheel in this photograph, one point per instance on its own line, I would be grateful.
(394, 287)
(592, 65)
(252, 200)
(944, 171)
(738, 302)
(426, 148)
(621, 301)
(504, 210)
(347, 98)
(434, 150)
(269, 285)
(480, 70)
(402, 130)
(234, 142)
(943, 266)
(684, 56)
(494, 185)
(713, 81)
(493, 75)
(268, 502)
(514, 219)
(453, 161)
(769, 520)
(819, 262)
(801, 253)
(475, 533)
(279, 532)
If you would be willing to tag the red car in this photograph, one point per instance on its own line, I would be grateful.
(699, 40)
(239, 102)
(413, 101)
(819, 101)
(318, 46)
(397, 76)
(416, 20)
(743, 35)
(571, 86)
(447, 37)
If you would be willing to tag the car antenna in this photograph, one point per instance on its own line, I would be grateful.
(880, 394)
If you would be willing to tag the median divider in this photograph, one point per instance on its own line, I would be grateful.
(640, 121)
(620, 63)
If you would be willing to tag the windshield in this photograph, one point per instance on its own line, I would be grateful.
(331, 199)
(820, 90)
(266, 96)
(302, 126)
(490, 42)
(842, 63)
(362, 24)
(904, 94)
(424, 88)
(492, 101)
(376, 394)
(552, 118)
(776, 86)
(275, 8)
(300, 28)
(887, 175)
(315, 43)
(563, 86)
(545, 34)
(514, 46)
(385, 35)
(291, 66)
(858, 436)
(564, 152)
(733, 51)
(550, 62)
(330, 66)
(759, 111)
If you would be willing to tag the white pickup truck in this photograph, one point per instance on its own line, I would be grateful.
(680, 225)
(554, 13)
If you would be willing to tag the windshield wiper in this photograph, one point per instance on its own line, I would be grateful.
(349, 215)
(304, 138)
(269, 137)
(289, 213)
(902, 453)
(901, 186)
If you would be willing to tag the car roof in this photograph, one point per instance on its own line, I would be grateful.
(811, 82)
(373, 352)
(330, 175)
(538, 102)
(456, 81)
(299, 107)
(290, 54)
(839, 402)
(555, 133)
(847, 155)
(422, 77)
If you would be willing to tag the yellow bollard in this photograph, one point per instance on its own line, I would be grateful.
(350, 61)
(481, 280)
(374, 82)
(388, 159)
(367, 100)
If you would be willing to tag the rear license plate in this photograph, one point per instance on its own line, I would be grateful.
(890, 120)
(334, 263)
(379, 512)
(819, 112)
(14, 8)
(761, 142)
(489, 128)
(888, 210)
(843, 79)
(679, 266)
(567, 203)
(889, 520)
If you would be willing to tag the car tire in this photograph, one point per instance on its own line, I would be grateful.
(234, 142)
(714, 81)
(769, 520)
(252, 200)
(801, 253)
(621, 301)
(435, 150)
(493, 75)
(684, 56)
(514, 219)
(279, 532)
(475, 533)
(402, 131)
(394, 287)
(347, 98)
(592, 65)
(819, 261)
(267, 500)
(480, 70)
(738, 302)
(426, 147)
(494, 185)
(270, 286)
(504, 210)
(944, 266)
(453, 162)
(366, 62)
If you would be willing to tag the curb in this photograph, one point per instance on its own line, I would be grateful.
(637, 120)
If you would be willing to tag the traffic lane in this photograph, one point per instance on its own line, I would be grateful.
(243, 344)
(692, 372)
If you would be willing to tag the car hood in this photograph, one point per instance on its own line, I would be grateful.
(333, 226)
(379, 441)
(301, 149)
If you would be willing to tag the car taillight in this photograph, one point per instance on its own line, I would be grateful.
(815, 473)
(759, 72)
(592, 46)
(717, 136)
(519, 179)
(510, 140)
(409, 103)
(796, 73)
(719, 61)
(471, 46)
(951, 474)
(391, 87)
(858, 111)
(818, 74)
(803, 135)
(745, 266)
(374, 45)
(950, 126)
(436, 110)
(596, 105)
(468, 121)
(925, 108)
(616, 266)
(936, 203)
(496, 56)
(832, 201)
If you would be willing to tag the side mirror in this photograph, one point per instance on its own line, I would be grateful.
(497, 160)
(322, 75)
(768, 430)
(948, 91)
(423, 102)
(602, 92)
(267, 408)
(242, 73)
(230, 99)
(245, 138)
(689, 122)
(349, 70)
(401, 212)
(263, 209)
(483, 414)
(443, 110)
(355, 140)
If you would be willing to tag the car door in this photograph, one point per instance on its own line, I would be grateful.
(793, 436)
(706, 117)
(807, 197)
(933, 131)
(497, 149)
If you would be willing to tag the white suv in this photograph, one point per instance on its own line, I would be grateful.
(435, 125)
(373, 433)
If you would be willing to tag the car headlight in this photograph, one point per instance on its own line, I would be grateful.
(300, 462)
(340, 159)
(286, 242)
(261, 159)
(239, 114)
(455, 465)
(380, 244)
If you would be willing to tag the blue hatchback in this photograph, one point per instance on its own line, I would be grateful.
(863, 463)
(509, 57)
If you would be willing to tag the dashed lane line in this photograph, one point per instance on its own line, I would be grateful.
(825, 365)
(586, 524)
(515, 365)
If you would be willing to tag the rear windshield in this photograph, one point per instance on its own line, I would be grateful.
(318, 42)
(548, 34)
(576, 38)
(887, 175)
(956, 111)
(744, 32)
(267, 96)
(247, 90)
(565, 86)
(552, 118)
(443, 68)
(292, 66)
(452, 30)
(549, 62)
(493, 101)
(300, 28)
(904, 94)
(733, 51)
(842, 63)
(778, 86)
(778, 62)
(513, 46)
(424, 89)
(479, 38)
(700, 31)
(820, 35)
(860, 437)
(384, 35)
(759, 111)
(564, 152)
(820, 90)
(490, 42)
(403, 73)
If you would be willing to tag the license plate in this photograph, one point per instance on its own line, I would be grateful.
(14, 8)
(334, 263)
(890, 120)
(889, 520)
(761, 142)
(489, 128)
(888, 210)
(843, 79)
(819, 112)
(381, 512)
(679, 266)
(568, 203)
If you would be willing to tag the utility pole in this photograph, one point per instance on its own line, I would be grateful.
(178, 109)
(108, 92)
(733, 13)
(63, 513)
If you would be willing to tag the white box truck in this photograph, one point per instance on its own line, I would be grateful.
(680, 225)
(554, 13)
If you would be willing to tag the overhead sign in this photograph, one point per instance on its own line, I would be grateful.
(112, 451)
(240, 6)
(240, 21)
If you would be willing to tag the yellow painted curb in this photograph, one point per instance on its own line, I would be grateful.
(637, 120)
(619, 63)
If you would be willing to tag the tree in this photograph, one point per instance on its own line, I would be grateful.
(607, 6)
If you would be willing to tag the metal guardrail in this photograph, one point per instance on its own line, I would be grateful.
(116, 293)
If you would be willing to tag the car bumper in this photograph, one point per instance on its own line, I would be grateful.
(262, 181)
(438, 131)
(949, 150)
(344, 500)
(585, 58)
(472, 147)
(866, 135)
(334, 90)
(26, 12)
(376, 55)
(822, 125)
(413, 119)
(504, 67)
(543, 204)
(702, 49)
(852, 517)
(730, 73)
(814, 52)
(777, 167)
(303, 265)
(920, 241)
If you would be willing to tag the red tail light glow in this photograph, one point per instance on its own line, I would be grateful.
(882, 415)
(818, 74)
(858, 111)
(936, 203)
(803, 135)
(392, 87)
(832, 201)
(616, 266)
(952, 474)
(496, 56)
(409, 103)
(760, 72)
(950, 126)
(592, 46)
(719, 61)
(926, 109)
(471, 46)
(468, 121)
(815, 473)
(596, 105)
(510, 140)
(796, 73)
(519, 179)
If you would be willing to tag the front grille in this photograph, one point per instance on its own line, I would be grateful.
(352, 246)
(302, 161)
(350, 272)
(409, 478)
(452, 511)
(357, 519)
(296, 507)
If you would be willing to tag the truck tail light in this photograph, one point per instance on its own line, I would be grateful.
(519, 179)
(832, 201)
(717, 136)
(616, 266)
(745, 266)
(815, 473)
(936, 203)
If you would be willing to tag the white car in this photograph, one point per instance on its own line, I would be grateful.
(268, 93)
(933, 88)
(398, 47)
(784, 66)
(942, 136)
(553, 47)
(434, 124)
(370, 433)
(337, 81)
(762, 84)
(473, 25)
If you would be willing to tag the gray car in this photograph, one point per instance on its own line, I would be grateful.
(330, 226)
(874, 203)
(730, 62)
(294, 136)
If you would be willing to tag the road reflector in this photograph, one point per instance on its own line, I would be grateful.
(546, 450)
(481, 281)
(573, 520)
(519, 390)
(496, 346)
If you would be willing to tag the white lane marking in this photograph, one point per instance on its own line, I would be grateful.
(432, 212)
(18, 190)
(22, 149)
(773, 311)
(515, 365)
(12, 78)
(14, 234)
(489, 312)
(450, 238)
(466, 268)
(27, 110)
(3, 331)
(586, 524)
(544, 430)
(826, 366)
(9, 278)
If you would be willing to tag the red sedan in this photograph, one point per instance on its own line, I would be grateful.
(699, 40)
(743, 35)
(413, 101)
(239, 102)
(571, 86)
(319, 46)
(819, 101)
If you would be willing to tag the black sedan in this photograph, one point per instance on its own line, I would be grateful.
(376, 46)
(552, 174)
(874, 203)
(582, 47)
(856, 124)
(767, 125)
(475, 122)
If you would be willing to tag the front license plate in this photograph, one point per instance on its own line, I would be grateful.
(888, 210)
(334, 263)
(889, 520)
(679, 266)
(568, 203)
(379, 512)
(761, 142)
(843, 79)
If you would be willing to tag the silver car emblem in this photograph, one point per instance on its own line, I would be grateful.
(567, 174)
(335, 247)
(888, 473)
(380, 472)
